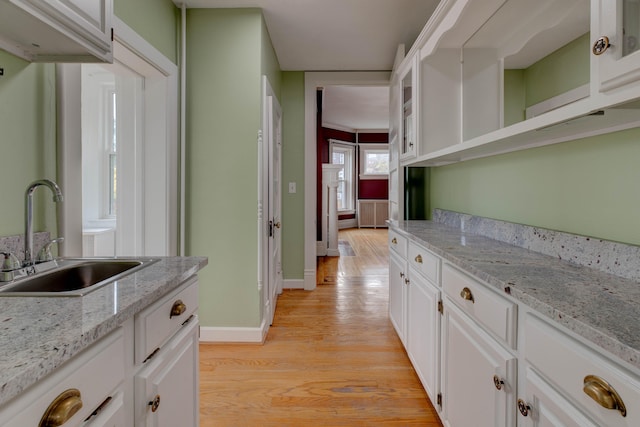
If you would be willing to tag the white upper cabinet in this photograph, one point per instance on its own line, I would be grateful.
(494, 76)
(616, 42)
(57, 30)
(409, 117)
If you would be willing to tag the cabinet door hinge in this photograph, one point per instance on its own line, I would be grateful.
(439, 400)
(440, 307)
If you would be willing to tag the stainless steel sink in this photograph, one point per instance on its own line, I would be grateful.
(75, 277)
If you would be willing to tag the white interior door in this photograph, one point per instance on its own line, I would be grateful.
(274, 144)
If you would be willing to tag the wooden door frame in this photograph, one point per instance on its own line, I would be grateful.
(264, 204)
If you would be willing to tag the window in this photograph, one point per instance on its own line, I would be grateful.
(374, 161)
(110, 157)
(344, 154)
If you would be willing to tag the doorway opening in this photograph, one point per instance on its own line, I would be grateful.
(313, 82)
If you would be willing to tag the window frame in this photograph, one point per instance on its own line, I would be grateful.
(350, 186)
(369, 148)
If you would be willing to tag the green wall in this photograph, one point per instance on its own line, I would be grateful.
(155, 20)
(27, 143)
(225, 61)
(589, 186)
(564, 69)
(292, 101)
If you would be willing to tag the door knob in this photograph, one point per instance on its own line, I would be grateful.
(601, 45)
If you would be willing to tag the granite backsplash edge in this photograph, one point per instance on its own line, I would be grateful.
(615, 258)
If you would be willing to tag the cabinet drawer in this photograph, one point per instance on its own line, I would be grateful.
(95, 373)
(424, 262)
(496, 313)
(566, 363)
(158, 322)
(398, 243)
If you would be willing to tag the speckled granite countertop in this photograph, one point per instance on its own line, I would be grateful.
(601, 307)
(38, 334)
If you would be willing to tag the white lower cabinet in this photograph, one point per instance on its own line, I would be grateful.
(107, 386)
(397, 294)
(85, 391)
(166, 391)
(596, 386)
(540, 405)
(423, 331)
(486, 359)
(166, 384)
(478, 375)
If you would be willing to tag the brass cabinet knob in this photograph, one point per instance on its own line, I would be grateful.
(277, 224)
(401, 274)
(155, 403)
(178, 308)
(603, 394)
(419, 259)
(523, 407)
(406, 281)
(394, 241)
(466, 294)
(62, 408)
(601, 45)
(498, 382)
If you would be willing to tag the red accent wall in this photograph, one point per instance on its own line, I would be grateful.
(373, 189)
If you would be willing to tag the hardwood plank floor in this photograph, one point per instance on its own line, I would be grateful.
(331, 358)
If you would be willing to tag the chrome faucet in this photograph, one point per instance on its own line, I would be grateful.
(28, 234)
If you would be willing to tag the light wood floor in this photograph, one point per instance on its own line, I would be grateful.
(331, 358)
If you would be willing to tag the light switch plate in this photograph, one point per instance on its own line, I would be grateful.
(292, 187)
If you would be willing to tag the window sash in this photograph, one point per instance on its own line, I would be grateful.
(344, 153)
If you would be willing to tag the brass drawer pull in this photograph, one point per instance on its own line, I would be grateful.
(605, 395)
(394, 241)
(419, 259)
(62, 408)
(466, 294)
(178, 308)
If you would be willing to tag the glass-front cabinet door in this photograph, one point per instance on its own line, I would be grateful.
(616, 42)
(408, 143)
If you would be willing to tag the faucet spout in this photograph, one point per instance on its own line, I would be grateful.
(28, 234)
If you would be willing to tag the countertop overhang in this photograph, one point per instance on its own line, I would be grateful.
(38, 334)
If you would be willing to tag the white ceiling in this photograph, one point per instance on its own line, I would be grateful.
(340, 35)
(355, 107)
(330, 35)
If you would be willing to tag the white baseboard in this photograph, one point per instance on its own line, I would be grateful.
(293, 284)
(309, 279)
(234, 334)
(347, 223)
